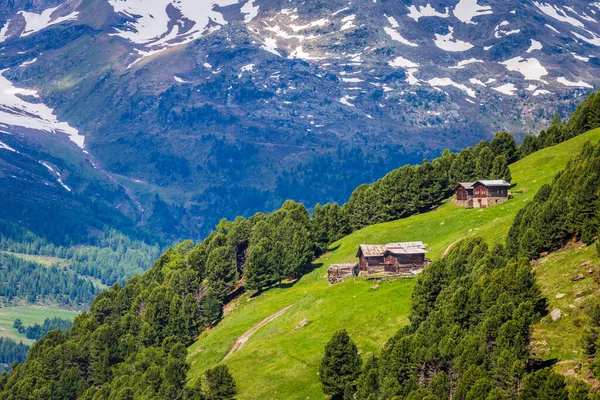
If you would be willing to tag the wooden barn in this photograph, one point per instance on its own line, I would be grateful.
(392, 259)
(482, 194)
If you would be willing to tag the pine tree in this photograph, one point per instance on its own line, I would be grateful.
(341, 364)
(528, 146)
(367, 386)
(500, 169)
(258, 271)
(589, 231)
(504, 144)
(579, 391)
(222, 272)
(219, 384)
(485, 163)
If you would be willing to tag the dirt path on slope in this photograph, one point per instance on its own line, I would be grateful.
(448, 248)
(241, 341)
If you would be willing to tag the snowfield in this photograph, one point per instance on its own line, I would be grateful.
(16, 111)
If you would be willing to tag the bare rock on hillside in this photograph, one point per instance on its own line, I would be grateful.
(304, 323)
(577, 278)
(556, 314)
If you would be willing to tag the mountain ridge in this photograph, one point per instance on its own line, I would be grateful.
(251, 98)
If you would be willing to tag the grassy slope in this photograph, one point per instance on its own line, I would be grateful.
(281, 360)
(560, 340)
(29, 314)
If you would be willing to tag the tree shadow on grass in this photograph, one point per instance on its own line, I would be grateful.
(535, 364)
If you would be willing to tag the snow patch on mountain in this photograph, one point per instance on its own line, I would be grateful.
(394, 34)
(33, 22)
(16, 111)
(508, 89)
(36, 22)
(535, 45)
(250, 10)
(448, 43)
(348, 22)
(152, 22)
(56, 175)
(402, 63)
(7, 147)
(558, 13)
(594, 40)
(440, 82)
(580, 58)
(530, 68)
(425, 11)
(462, 64)
(345, 100)
(466, 10)
(567, 82)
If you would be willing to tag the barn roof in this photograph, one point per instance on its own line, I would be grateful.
(466, 185)
(375, 250)
(497, 182)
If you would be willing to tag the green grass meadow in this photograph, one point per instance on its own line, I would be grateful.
(29, 314)
(560, 340)
(281, 359)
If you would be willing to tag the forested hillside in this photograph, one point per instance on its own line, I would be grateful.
(472, 311)
(290, 353)
(132, 343)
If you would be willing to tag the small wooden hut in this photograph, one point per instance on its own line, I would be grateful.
(338, 272)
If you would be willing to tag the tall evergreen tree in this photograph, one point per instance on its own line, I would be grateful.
(504, 144)
(259, 273)
(485, 163)
(341, 364)
(500, 169)
(219, 384)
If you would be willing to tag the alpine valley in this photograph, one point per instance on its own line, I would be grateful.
(165, 116)
(285, 199)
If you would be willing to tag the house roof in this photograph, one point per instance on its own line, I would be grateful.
(378, 250)
(466, 185)
(497, 182)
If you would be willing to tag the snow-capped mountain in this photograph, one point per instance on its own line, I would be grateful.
(202, 102)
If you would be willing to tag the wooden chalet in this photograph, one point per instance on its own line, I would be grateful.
(482, 194)
(392, 259)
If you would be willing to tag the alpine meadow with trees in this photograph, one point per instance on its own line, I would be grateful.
(471, 317)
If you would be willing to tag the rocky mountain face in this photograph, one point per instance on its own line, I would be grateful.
(176, 113)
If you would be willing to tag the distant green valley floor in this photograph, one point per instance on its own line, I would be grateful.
(34, 313)
(281, 359)
(30, 314)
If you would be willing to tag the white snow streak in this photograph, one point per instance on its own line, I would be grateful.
(15, 111)
(437, 82)
(558, 14)
(567, 82)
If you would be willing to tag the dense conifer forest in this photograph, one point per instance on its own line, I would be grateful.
(37, 331)
(470, 324)
(35, 282)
